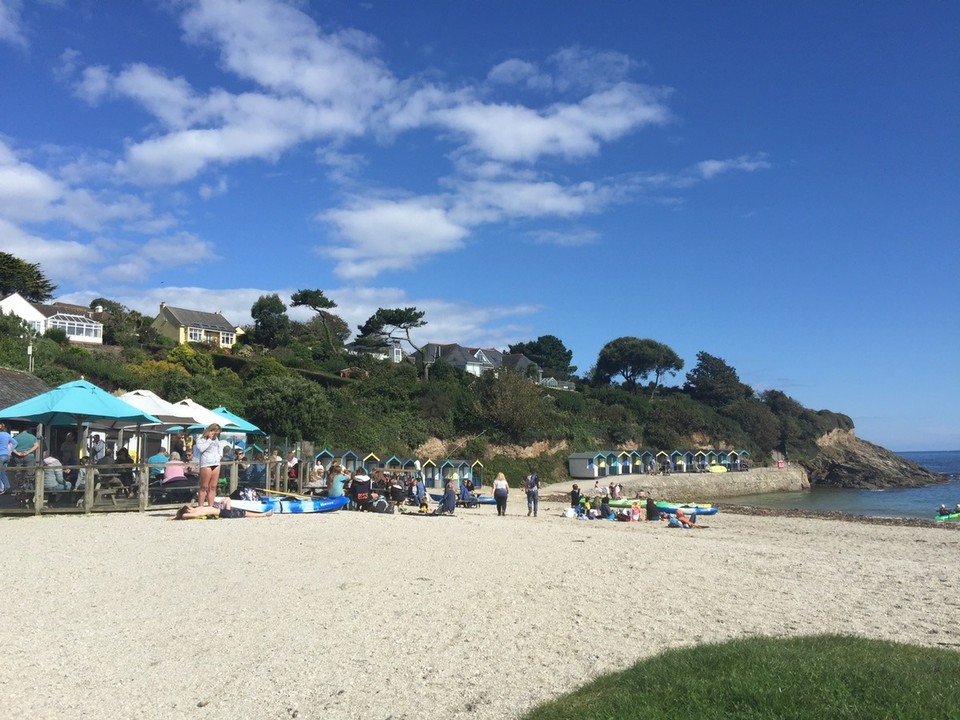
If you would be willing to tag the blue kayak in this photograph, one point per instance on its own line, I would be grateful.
(294, 506)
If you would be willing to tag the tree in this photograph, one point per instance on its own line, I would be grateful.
(271, 326)
(511, 403)
(387, 324)
(289, 406)
(320, 304)
(548, 352)
(714, 382)
(19, 276)
(121, 325)
(635, 359)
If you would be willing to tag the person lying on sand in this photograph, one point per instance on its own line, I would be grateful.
(224, 510)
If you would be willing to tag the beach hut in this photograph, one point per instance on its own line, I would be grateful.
(476, 473)
(723, 457)
(430, 473)
(348, 459)
(409, 466)
(700, 460)
(647, 462)
(584, 464)
(371, 462)
(393, 464)
(324, 458)
(663, 461)
(623, 462)
(689, 462)
(711, 457)
(448, 470)
(676, 461)
(636, 461)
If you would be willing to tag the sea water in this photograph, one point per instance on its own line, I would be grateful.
(919, 502)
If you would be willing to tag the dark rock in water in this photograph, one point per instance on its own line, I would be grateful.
(848, 462)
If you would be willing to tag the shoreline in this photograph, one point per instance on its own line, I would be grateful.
(355, 615)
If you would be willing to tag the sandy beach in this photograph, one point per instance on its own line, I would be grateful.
(352, 615)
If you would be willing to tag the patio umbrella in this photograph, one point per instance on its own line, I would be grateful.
(202, 417)
(151, 403)
(75, 403)
(235, 420)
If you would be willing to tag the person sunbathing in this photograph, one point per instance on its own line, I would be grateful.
(223, 510)
(684, 520)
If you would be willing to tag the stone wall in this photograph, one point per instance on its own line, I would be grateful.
(703, 486)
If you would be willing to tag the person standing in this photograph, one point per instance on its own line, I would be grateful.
(533, 493)
(501, 490)
(208, 447)
(25, 452)
(98, 448)
(6, 448)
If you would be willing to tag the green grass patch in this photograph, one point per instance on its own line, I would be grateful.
(810, 677)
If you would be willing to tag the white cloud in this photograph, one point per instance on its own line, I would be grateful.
(516, 133)
(571, 238)
(385, 235)
(520, 72)
(211, 191)
(28, 194)
(746, 163)
(581, 68)
(485, 201)
(11, 29)
(95, 82)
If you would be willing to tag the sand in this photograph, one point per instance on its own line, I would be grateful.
(352, 615)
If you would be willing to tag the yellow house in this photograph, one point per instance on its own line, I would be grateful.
(189, 326)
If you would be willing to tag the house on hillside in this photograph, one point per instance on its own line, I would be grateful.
(390, 351)
(189, 326)
(78, 322)
(477, 361)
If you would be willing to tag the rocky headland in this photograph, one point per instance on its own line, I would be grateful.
(846, 461)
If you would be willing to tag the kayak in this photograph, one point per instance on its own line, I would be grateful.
(949, 516)
(292, 505)
(671, 508)
(482, 499)
(688, 508)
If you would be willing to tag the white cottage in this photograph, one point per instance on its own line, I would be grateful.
(76, 321)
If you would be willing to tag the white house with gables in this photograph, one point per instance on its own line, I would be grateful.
(477, 361)
(78, 322)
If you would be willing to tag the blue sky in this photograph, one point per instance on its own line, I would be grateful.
(774, 184)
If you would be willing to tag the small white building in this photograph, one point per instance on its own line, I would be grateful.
(76, 321)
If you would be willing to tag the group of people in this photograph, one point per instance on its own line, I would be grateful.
(642, 509)
(944, 510)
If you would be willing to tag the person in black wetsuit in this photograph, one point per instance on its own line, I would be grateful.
(653, 512)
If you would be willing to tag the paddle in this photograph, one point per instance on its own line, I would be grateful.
(288, 494)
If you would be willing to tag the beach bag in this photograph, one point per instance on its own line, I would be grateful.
(570, 512)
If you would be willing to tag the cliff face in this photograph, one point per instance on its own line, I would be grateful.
(847, 461)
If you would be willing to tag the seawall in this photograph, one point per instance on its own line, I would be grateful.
(700, 486)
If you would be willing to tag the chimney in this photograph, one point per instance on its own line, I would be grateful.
(162, 304)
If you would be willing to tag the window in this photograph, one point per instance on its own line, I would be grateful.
(226, 339)
(194, 335)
